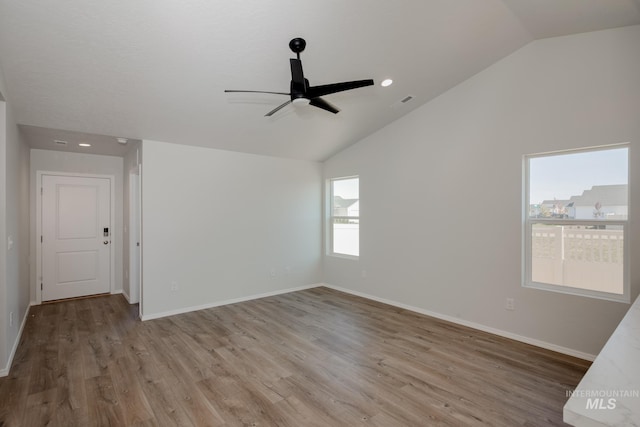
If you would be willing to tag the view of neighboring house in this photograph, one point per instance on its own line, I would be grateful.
(345, 207)
(600, 202)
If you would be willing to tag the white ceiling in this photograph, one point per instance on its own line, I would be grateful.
(156, 69)
(64, 140)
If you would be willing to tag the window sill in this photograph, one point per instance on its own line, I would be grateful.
(344, 256)
(623, 298)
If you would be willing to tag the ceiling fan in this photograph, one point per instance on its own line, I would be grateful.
(300, 91)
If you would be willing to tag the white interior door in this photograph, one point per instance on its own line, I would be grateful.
(76, 236)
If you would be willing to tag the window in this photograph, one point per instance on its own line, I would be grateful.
(576, 222)
(344, 233)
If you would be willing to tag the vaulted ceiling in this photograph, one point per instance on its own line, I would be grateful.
(157, 69)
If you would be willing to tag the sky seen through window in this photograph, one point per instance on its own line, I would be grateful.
(564, 175)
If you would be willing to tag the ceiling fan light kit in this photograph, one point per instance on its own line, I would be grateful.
(300, 101)
(301, 92)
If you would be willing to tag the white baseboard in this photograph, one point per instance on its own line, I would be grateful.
(470, 324)
(226, 302)
(5, 371)
(127, 297)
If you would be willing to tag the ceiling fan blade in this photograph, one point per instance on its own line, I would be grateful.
(315, 91)
(255, 91)
(321, 103)
(278, 108)
(297, 76)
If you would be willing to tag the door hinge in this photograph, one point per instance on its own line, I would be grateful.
(41, 191)
(41, 240)
(40, 286)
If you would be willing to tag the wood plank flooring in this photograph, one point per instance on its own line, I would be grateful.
(312, 358)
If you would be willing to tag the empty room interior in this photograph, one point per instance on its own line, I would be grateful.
(356, 213)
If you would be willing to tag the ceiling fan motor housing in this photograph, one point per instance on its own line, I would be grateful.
(299, 90)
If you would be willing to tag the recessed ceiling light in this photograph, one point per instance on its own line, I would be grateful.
(60, 142)
(386, 82)
(122, 141)
(82, 144)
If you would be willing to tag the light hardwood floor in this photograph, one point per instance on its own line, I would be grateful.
(312, 358)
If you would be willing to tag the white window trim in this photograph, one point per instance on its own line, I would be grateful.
(331, 218)
(528, 222)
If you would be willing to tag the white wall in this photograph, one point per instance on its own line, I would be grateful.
(59, 161)
(131, 161)
(217, 222)
(3, 235)
(14, 208)
(455, 166)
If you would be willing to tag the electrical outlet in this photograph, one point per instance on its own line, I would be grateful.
(272, 273)
(11, 319)
(510, 304)
(174, 286)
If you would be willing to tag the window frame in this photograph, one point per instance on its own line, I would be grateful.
(332, 218)
(528, 223)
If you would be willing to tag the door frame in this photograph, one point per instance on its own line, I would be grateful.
(112, 214)
(135, 224)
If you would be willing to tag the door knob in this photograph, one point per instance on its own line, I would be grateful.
(106, 242)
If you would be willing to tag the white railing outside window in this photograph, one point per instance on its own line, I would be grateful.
(578, 257)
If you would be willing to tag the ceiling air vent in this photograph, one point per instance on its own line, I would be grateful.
(60, 142)
(403, 101)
